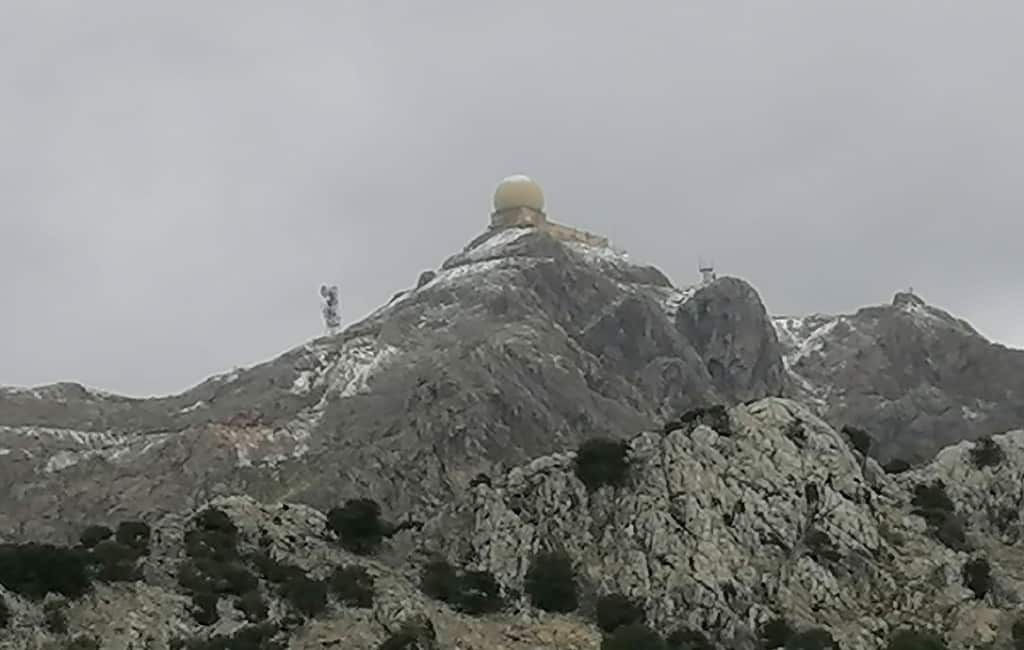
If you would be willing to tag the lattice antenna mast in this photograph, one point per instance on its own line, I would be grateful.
(331, 308)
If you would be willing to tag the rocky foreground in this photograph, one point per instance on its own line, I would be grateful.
(723, 523)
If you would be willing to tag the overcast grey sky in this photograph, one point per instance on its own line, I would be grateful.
(178, 178)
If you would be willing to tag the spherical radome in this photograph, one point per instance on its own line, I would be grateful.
(518, 192)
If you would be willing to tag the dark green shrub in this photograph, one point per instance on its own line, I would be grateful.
(896, 466)
(977, 575)
(352, 586)
(914, 640)
(253, 606)
(859, 439)
(93, 535)
(117, 562)
(204, 607)
(551, 583)
(358, 525)
(83, 643)
(55, 617)
(273, 570)
(215, 519)
(134, 534)
(986, 452)
(775, 633)
(478, 593)
(636, 636)
(950, 531)
(307, 596)
(932, 503)
(440, 580)
(34, 570)
(211, 544)
(5, 613)
(617, 610)
(253, 637)
(686, 638)
(1017, 634)
(815, 638)
(601, 462)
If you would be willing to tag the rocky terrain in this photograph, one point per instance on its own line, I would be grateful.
(913, 375)
(723, 524)
(520, 346)
(459, 407)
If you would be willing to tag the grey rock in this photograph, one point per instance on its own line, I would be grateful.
(917, 378)
(521, 345)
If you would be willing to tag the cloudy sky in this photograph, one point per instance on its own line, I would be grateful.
(178, 178)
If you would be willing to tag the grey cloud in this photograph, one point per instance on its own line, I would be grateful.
(179, 179)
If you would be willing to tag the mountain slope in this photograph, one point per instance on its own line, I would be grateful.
(917, 378)
(720, 528)
(519, 346)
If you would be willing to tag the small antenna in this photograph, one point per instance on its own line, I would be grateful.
(707, 271)
(332, 317)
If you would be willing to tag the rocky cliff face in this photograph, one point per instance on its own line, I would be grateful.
(917, 378)
(519, 346)
(767, 514)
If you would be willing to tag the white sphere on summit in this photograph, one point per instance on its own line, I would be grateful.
(518, 192)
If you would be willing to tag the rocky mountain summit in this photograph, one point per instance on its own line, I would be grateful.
(553, 432)
(914, 376)
(522, 345)
(726, 529)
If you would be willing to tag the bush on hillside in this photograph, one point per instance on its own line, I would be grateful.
(915, 640)
(478, 593)
(636, 636)
(274, 571)
(253, 637)
(775, 633)
(859, 439)
(1017, 634)
(93, 535)
(55, 617)
(440, 580)
(307, 596)
(896, 466)
(135, 535)
(601, 462)
(358, 525)
(117, 562)
(986, 452)
(5, 613)
(686, 638)
(204, 607)
(470, 592)
(977, 575)
(932, 503)
(616, 610)
(252, 605)
(551, 583)
(815, 638)
(35, 570)
(352, 586)
(213, 536)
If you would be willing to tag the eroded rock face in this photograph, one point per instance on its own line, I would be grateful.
(916, 377)
(519, 346)
(725, 523)
(779, 517)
